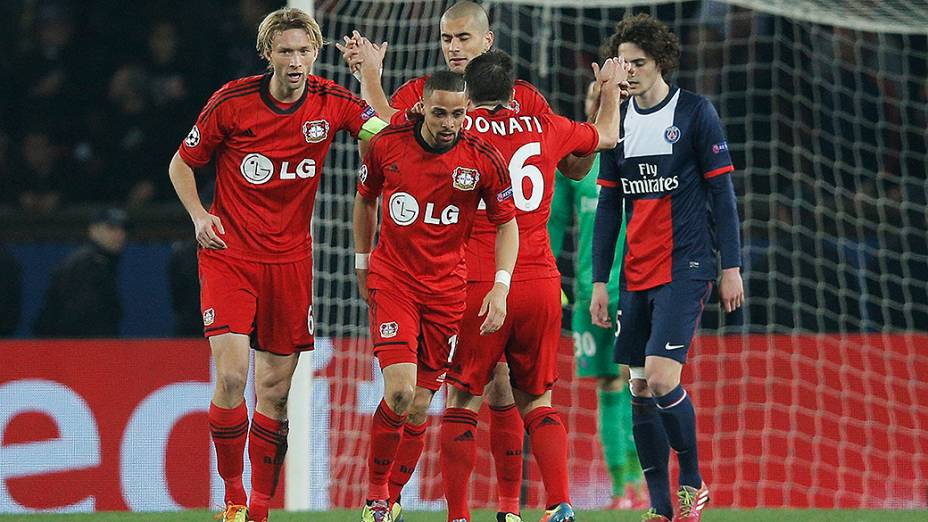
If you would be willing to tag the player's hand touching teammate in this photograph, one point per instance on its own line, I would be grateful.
(206, 233)
(599, 306)
(358, 52)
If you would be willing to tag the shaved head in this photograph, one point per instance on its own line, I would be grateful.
(480, 21)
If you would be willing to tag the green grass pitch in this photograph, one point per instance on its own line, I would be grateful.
(711, 515)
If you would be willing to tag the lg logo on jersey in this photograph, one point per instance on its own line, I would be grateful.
(404, 209)
(259, 169)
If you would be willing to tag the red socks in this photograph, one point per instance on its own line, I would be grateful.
(506, 439)
(229, 429)
(458, 455)
(267, 447)
(385, 438)
(407, 456)
(549, 445)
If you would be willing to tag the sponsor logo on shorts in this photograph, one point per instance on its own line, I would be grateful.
(315, 131)
(669, 346)
(193, 137)
(209, 317)
(465, 179)
(388, 330)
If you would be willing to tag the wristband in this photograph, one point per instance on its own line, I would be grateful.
(362, 261)
(503, 277)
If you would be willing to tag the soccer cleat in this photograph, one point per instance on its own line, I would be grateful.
(233, 513)
(562, 513)
(692, 502)
(507, 517)
(377, 511)
(396, 512)
(652, 515)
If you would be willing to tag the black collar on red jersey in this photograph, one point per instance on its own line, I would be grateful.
(417, 129)
(272, 104)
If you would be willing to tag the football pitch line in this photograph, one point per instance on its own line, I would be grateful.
(710, 515)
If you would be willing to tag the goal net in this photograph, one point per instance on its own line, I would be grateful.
(815, 395)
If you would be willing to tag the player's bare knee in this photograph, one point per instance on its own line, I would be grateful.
(499, 391)
(662, 384)
(231, 384)
(400, 400)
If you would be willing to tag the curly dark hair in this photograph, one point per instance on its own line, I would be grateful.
(652, 35)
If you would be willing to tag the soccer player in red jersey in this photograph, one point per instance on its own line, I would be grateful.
(670, 180)
(465, 34)
(532, 147)
(270, 135)
(431, 177)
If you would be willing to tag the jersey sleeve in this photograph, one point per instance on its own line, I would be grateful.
(495, 187)
(573, 137)
(405, 97)
(609, 172)
(531, 100)
(213, 125)
(711, 148)
(370, 175)
(351, 112)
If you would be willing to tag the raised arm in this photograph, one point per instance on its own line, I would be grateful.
(366, 60)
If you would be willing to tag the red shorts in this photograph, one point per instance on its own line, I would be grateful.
(529, 338)
(407, 329)
(270, 302)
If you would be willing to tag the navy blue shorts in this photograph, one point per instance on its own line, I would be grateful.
(660, 321)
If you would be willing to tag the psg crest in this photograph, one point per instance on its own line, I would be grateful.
(465, 179)
(672, 134)
(315, 131)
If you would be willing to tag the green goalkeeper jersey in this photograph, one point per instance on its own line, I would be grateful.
(580, 198)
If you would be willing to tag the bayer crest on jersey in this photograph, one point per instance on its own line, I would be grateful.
(388, 330)
(315, 131)
(672, 134)
(465, 179)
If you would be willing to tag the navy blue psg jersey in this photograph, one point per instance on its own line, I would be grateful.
(662, 164)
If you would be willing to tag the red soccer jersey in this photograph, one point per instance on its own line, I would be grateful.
(527, 99)
(269, 157)
(531, 146)
(429, 203)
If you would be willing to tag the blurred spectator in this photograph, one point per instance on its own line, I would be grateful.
(48, 67)
(42, 179)
(82, 299)
(11, 288)
(184, 278)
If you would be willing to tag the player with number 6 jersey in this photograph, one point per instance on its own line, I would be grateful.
(532, 146)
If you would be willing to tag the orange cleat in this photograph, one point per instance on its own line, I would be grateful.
(233, 513)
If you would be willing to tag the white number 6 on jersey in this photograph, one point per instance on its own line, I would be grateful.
(518, 171)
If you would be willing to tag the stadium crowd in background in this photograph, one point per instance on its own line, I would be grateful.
(86, 85)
